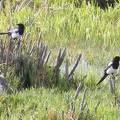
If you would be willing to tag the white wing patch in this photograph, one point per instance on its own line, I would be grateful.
(14, 33)
(109, 63)
(110, 70)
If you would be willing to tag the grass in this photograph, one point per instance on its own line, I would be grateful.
(87, 30)
(38, 103)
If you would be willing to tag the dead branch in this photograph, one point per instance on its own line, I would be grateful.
(60, 59)
(74, 67)
(59, 62)
(66, 70)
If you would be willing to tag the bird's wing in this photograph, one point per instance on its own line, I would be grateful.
(109, 69)
(14, 33)
(14, 30)
(108, 66)
(105, 75)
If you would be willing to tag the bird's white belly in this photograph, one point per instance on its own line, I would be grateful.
(111, 70)
(14, 35)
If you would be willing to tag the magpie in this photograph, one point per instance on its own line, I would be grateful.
(15, 33)
(111, 68)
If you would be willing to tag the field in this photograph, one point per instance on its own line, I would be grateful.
(88, 30)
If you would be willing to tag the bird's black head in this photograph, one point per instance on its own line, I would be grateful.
(21, 28)
(116, 58)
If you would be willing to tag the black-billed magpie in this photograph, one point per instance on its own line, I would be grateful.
(15, 33)
(111, 68)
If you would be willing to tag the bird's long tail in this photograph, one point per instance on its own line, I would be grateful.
(4, 33)
(105, 75)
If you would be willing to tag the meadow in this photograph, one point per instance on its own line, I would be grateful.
(88, 30)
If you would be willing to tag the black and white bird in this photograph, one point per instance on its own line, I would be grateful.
(111, 68)
(15, 33)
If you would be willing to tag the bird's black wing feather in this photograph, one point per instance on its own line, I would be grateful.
(105, 74)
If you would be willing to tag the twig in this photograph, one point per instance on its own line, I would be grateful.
(59, 62)
(60, 58)
(66, 70)
(74, 67)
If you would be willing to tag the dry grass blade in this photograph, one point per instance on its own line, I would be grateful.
(27, 37)
(82, 106)
(44, 55)
(41, 52)
(47, 58)
(72, 110)
(32, 48)
(23, 4)
(78, 91)
(96, 106)
(39, 41)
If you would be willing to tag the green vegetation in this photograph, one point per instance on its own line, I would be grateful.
(87, 30)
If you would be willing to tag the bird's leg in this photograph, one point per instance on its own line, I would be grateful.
(113, 77)
(113, 82)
